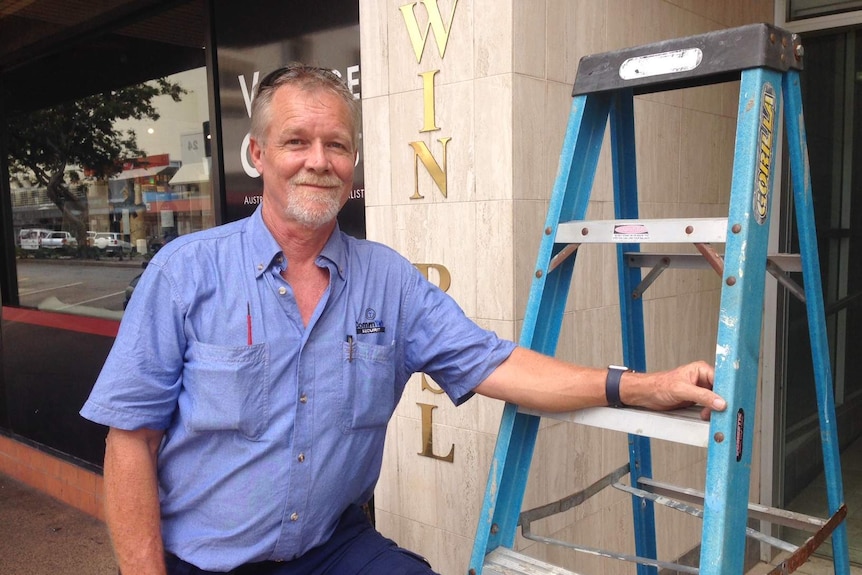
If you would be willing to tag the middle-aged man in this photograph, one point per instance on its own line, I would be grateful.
(258, 364)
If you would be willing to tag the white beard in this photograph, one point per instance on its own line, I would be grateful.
(312, 209)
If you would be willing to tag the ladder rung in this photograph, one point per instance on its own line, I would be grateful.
(679, 426)
(689, 230)
(785, 262)
(505, 561)
(775, 515)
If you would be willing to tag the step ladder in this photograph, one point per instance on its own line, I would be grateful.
(766, 61)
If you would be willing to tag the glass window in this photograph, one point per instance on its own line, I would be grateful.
(99, 184)
(801, 9)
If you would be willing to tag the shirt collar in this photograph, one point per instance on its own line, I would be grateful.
(265, 250)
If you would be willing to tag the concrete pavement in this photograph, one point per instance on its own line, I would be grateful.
(41, 536)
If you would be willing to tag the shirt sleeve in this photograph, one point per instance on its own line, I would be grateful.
(140, 380)
(444, 343)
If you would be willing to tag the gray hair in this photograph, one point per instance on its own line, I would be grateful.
(304, 77)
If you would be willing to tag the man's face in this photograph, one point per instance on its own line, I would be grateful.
(308, 157)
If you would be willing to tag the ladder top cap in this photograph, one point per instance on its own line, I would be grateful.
(709, 58)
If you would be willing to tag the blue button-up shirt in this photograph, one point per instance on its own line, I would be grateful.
(273, 428)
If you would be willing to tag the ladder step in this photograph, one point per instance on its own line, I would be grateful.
(679, 426)
(505, 561)
(708, 58)
(688, 230)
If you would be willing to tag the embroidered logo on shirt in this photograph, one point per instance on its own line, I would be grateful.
(370, 325)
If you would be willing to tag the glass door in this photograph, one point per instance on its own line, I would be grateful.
(832, 93)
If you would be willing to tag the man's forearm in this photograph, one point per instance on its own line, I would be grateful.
(540, 382)
(132, 501)
(534, 380)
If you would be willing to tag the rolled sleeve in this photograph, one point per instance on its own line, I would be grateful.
(140, 381)
(447, 345)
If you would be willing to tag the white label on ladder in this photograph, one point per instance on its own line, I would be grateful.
(658, 64)
(630, 233)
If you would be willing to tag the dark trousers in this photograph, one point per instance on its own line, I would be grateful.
(356, 548)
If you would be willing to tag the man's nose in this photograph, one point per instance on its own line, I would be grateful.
(317, 158)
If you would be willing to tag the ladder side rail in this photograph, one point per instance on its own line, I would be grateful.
(804, 205)
(509, 470)
(739, 328)
(569, 201)
(624, 164)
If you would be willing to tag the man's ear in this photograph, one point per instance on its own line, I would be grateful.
(255, 150)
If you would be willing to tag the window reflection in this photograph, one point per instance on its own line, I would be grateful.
(84, 232)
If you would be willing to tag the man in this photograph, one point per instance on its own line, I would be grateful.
(257, 366)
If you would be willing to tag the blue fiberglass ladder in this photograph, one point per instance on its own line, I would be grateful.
(766, 61)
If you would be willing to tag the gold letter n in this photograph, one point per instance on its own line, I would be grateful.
(438, 174)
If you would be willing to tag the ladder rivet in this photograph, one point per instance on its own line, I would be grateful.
(494, 528)
(689, 229)
(548, 231)
(772, 38)
(731, 281)
(471, 572)
(736, 228)
(585, 231)
(719, 437)
(538, 273)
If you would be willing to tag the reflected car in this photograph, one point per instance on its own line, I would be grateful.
(59, 240)
(31, 238)
(111, 243)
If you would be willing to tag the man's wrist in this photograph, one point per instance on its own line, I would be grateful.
(612, 385)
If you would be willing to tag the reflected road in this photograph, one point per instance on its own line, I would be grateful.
(72, 286)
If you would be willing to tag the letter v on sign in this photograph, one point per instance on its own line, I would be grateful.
(247, 93)
(435, 25)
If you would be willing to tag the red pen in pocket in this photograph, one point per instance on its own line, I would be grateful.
(248, 321)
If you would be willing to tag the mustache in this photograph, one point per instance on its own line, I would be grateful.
(321, 181)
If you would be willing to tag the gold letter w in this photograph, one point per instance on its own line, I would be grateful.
(435, 25)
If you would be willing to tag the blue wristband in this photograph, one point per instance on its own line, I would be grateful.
(612, 385)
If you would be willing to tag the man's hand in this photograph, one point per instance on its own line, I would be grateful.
(684, 386)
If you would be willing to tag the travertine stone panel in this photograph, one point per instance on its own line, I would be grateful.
(374, 47)
(376, 139)
(493, 34)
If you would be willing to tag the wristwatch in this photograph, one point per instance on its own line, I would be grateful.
(612, 385)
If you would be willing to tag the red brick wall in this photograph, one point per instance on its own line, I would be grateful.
(60, 479)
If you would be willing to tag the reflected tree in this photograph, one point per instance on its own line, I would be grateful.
(81, 133)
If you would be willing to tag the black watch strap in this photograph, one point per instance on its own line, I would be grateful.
(612, 385)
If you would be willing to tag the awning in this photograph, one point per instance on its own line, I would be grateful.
(139, 173)
(193, 173)
(189, 205)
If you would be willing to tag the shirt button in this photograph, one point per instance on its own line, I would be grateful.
(282, 290)
(294, 516)
(303, 398)
(301, 457)
(259, 267)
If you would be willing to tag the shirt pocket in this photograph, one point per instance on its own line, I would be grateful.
(368, 385)
(227, 388)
